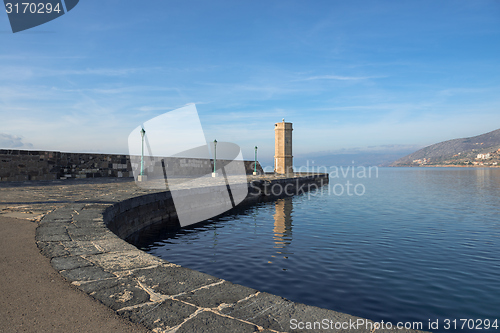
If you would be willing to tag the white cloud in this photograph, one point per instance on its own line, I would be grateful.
(13, 141)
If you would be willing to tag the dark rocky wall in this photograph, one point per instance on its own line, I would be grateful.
(21, 165)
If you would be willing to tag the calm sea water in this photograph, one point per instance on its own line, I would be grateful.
(419, 244)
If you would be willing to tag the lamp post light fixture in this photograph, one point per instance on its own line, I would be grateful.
(214, 174)
(255, 163)
(142, 177)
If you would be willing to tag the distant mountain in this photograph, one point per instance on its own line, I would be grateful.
(457, 151)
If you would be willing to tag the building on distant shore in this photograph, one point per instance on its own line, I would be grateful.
(482, 156)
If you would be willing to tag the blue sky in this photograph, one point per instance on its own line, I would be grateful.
(349, 74)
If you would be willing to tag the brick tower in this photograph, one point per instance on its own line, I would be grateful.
(283, 159)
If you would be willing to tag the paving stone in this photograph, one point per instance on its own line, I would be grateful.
(48, 234)
(52, 249)
(89, 224)
(96, 206)
(60, 215)
(160, 316)
(126, 260)
(75, 206)
(50, 222)
(114, 244)
(65, 263)
(92, 286)
(173, 280)
(213, 296)
(209, 322)
(87, 216)
(53, 238)
(51, 231)
(78, 248)
(266, 310)
(86, 274)
(90, 210)
(124, 294)
(81, 234)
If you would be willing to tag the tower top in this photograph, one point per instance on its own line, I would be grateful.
(283, 125)
(283, 119)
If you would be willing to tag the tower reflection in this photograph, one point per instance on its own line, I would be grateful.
(283, 225)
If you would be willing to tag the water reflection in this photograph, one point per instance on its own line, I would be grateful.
(410, 249)
(283, 226)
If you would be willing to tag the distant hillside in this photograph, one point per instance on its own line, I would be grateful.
(458, 151)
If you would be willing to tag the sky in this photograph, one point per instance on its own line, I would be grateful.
(349, 75)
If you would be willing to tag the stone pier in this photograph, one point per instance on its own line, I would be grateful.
(81, 226)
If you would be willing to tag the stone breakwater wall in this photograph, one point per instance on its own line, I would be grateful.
(163, 296)
(130, 216)
(22, 165)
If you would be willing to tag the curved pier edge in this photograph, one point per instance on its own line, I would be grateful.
(163, 296)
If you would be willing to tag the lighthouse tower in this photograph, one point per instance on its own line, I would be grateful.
(283, 159)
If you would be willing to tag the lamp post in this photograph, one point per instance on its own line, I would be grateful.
(141, 176)
(255, 163)
(214, 174)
